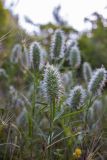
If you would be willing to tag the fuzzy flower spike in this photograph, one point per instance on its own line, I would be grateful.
(25, 60)
(52, 84)
(87, 72)
(16, 53)
(35, 55)
(57, 45)
(76, 97)
(97, 81)
(74, 57)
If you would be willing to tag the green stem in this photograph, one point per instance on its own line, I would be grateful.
(87, 109)
(86, 118)
(74, 76)
(32, 112)
(52, 115)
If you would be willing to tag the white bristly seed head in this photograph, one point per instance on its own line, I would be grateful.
(97, 81)
(76, 97)
(35, 55)
(43, 59)
(25, 60)
(57, 45)
(98, 108)
(67, 79)
(87, 72)
(74, 57)
(52, 84)
(94, 111)
(16, 53)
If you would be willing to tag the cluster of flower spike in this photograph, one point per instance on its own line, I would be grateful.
(35, 55)
(76, 97)
(97, 81)
(52, 83)
(57, 45)
(74, 57)
(16, 53)
(25, 58)
(87, 72)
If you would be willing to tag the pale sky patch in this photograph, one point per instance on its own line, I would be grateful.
(74, 11)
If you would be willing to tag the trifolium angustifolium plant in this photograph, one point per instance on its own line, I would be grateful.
(54, 108)
(16, 54)
(87, 72)
(97, 81)
(25, 60)
(35, 55)
(67, 79)
(69, 44)
(52, 83)
(76, 97)
(57, 45)
(74, 57)
(44, 58)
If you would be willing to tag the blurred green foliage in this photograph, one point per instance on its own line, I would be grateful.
(7, 38)
(93, 43)
(10, 32)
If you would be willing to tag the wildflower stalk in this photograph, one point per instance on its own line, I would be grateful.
(31, 113)
(87, 109)
(52, 116)
(85, 126)
(53, 91)
(74, 72)
(35, 84)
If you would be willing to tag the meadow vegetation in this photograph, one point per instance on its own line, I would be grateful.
(52, 100)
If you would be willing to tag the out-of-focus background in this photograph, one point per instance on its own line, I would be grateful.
(85, 20)
(41, 11)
